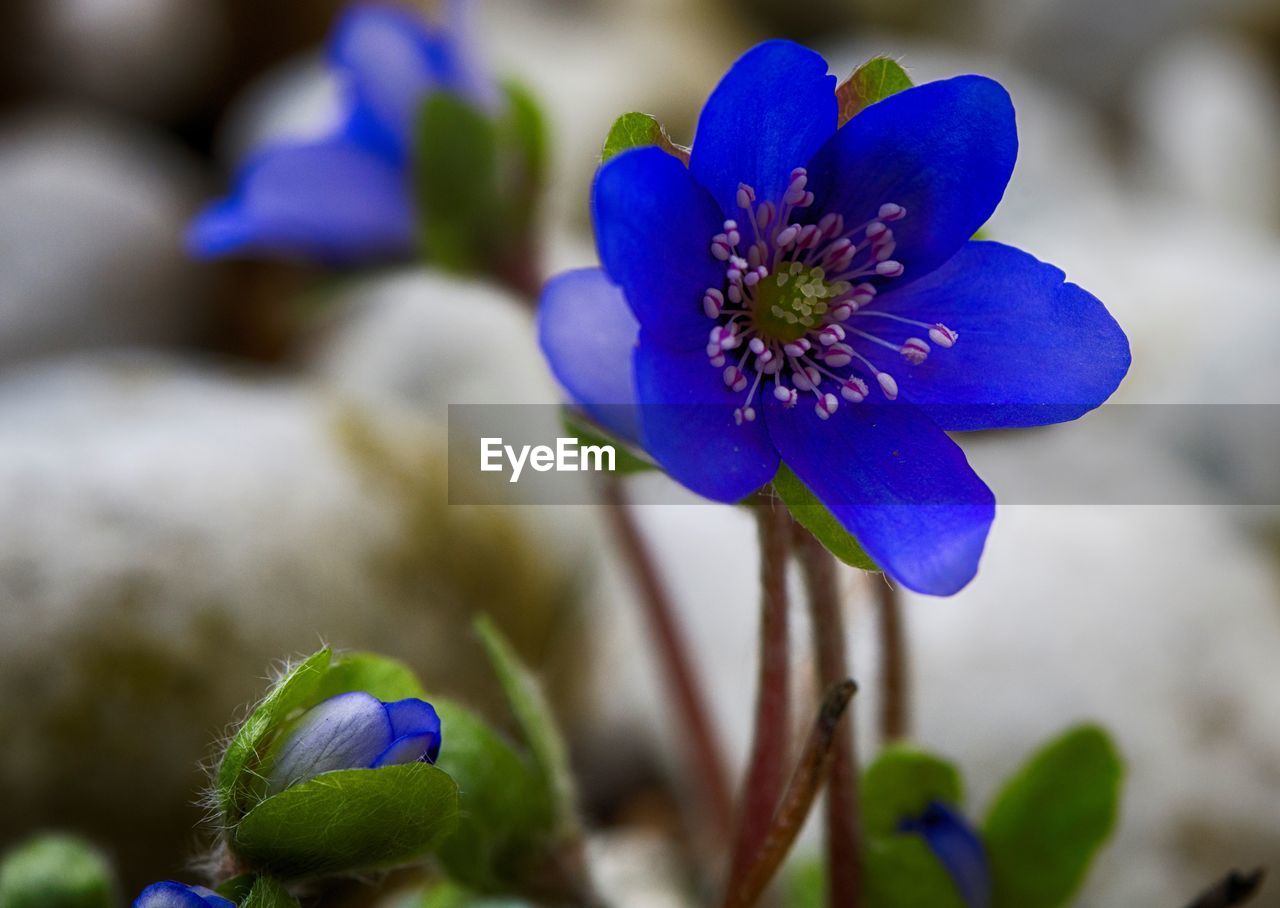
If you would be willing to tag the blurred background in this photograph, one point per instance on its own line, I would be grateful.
(206, 468)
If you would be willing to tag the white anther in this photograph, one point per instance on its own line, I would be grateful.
(718, 360)
(720, 247)
(798, 347)
(887, 385)
(884, 251)
(831, 225)
(764, 359)
(808, 236)
(744, 414)
(914, 350)
(875, 228)
(842, 311)
(891, 212)
(735, 293)
(838, 355)
(830, 334)
(735, 378)
(756, 346)
(826, 405)
(788, 236)
(863, 294)
(889, 268)
(712, 302)
(783, 394)
(764, 215)
(943, 336)
(854, 390)
(746, 195)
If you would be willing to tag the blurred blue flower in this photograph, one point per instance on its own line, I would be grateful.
(346, 197)
(958, 847)
(355, 731)
(808, 295)
(180, 895)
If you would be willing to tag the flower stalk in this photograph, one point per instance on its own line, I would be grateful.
(705, 753)
(767, 766)
(843, 831)
(895, 681)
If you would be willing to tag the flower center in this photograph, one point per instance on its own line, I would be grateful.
(798, 302)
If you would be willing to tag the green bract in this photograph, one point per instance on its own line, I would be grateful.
(1051, 818)
(637, 130)
(56, 871)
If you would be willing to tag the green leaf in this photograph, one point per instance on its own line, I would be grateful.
(387, 679)
(1051, 818)
(639, 130)
(506, 813)
(806, 884)
(237, 888)
(902, 872)
(350, 821)
(456, 174)
(268, 892)
(811, 514)
(626, 461)
(236, 773)
(56, 871)
(536, 721)
(901, 783)
(873, 81)
(522, 135)
(447, 895)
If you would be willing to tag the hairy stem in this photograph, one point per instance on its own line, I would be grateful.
(843, 839)
(768, 763)
(705, 754)
(895, 682)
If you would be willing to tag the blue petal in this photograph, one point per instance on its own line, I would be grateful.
(688, 425)
(178, 895)
(409, 749)
(769, 115)
(588, 334)
(412, 718)
(654, 226)
(957, 846)
(330, 201)
(1032, 350)
(348, 731)
(944, 150)
(896, 482)
(391, 58)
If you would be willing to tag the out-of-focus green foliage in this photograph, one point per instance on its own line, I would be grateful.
(56, 871)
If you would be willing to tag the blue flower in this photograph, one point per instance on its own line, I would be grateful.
(180, 895)
(958, 848)
(346, 198)
(808, 295)
(355, 731)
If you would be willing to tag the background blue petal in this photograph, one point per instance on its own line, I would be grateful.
(688, 425)
(588, 334)
(654, 226)
(178, 895)
(896, 482)
(1032, 349)
(944, 150)
(769, 115)
(391, 58)
(329, 201)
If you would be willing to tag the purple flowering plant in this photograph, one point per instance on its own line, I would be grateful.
(808, 294)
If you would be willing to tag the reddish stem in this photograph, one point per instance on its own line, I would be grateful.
(842, 820)
(704, 749)
(895, 683)
(768, 766)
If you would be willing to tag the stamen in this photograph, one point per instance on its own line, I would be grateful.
(914, 350)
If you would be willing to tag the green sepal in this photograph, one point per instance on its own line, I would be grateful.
(873, 81)
(507, 817)
(350, 821)
(901, 870)
(56, 871)
(379, 676)
(639, 130)
(478, 176)
(1051, 818)
(268, 892)
(237, 778)
(626, 461)
(813, 515)
(537, 725)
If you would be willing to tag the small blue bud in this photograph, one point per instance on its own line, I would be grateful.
(179, 895)
(355, 731)
(956, 844)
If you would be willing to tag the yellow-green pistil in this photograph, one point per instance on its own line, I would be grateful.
(793, 301)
